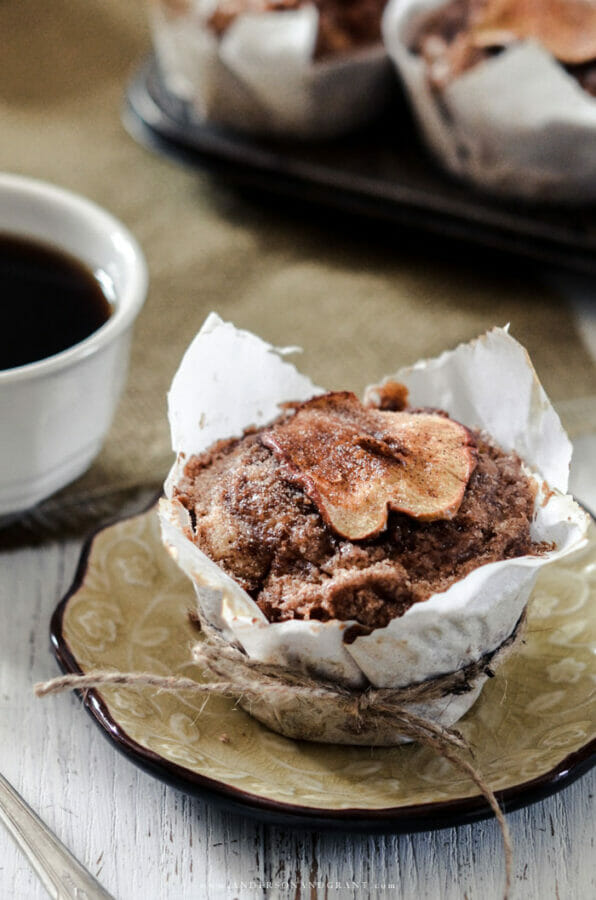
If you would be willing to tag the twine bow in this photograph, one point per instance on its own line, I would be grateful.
(247, 681)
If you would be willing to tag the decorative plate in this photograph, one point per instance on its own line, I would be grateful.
(533, 730)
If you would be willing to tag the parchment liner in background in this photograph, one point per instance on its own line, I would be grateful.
(260, 75)
(516, 124)
(230, 379)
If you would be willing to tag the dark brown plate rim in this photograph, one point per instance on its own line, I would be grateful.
(418, 817)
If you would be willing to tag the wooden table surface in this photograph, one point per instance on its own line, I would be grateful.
(145, 840)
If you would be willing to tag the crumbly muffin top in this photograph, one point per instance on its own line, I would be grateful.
(259, 523)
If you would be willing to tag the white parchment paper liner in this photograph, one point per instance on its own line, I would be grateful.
(230, 379)
(517, 124)
(260, 75)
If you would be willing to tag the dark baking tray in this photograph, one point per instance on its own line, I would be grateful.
(382, 173)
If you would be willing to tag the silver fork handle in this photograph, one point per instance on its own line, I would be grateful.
(61, 874)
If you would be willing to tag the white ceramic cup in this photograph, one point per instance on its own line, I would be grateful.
(55, 413)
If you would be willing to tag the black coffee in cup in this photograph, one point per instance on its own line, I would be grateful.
(49, 301)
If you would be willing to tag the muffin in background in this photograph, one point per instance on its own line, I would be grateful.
(503, 90)
(308, 69)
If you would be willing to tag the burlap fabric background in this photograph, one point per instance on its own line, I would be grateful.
(360, 300)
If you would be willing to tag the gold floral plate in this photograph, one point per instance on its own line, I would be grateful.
(533, 730)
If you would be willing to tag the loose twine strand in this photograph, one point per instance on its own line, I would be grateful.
(246, 681)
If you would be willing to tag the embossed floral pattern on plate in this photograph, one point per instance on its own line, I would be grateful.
(130, 613)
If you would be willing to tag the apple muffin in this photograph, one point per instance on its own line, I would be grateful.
(345, 551)
(504, 91)
(339, 511)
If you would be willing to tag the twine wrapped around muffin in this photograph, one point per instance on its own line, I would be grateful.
(286, 700)
(265, 691)
(271, 693)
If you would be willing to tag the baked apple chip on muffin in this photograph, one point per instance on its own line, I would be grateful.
(377, 544)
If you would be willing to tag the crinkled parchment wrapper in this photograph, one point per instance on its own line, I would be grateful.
(230, 379)
(260, 76)
(517, 124)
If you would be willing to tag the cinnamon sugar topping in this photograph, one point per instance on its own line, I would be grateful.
(356, 464)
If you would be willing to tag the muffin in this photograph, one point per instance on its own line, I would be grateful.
(503, 90)
(464, 33)
(380, 544)
(307, 69)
